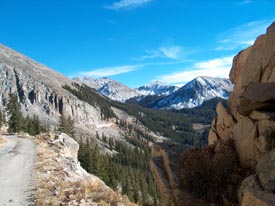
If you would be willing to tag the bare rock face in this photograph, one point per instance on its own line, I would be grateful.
(256, 198)
(40, 89)
(221, 126)
(41, 92)
(250, 118)
(266, 171)
(66, 146)
(251, 102)
(257, 97)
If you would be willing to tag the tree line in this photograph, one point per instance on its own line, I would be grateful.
(17, 122)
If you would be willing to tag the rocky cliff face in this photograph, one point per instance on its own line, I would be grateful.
(250, 118)
(40, 90)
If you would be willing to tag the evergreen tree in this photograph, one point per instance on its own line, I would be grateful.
(15, 122)
(66, 125)
(1, 119)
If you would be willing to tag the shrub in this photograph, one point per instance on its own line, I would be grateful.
(212, 173)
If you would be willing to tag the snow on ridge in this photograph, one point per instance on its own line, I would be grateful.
(195, 92)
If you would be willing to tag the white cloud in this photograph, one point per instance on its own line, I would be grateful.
(242, 36)
(109, 71)
(172, 52)
(127, 4)
(245, 2)
(168, 52)
(150, 54)
(219, 67)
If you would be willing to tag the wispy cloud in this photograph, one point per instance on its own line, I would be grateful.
(242, 36)
(245, 2)
(171, 52)
(109, 71)
(219, 67)
(127, 4)
(168, 52)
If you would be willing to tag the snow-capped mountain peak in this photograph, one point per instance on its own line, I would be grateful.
(108, 87)
(196, 92)
(156, 88)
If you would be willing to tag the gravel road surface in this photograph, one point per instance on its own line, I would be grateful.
(17, 158)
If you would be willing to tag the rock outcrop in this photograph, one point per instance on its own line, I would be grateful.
(249, 118)
(60, 180)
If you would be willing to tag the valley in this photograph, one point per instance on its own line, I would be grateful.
(130, 121)
(117, 133)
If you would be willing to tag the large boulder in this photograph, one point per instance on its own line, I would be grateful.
(266, 171)
(251, 193)
(257, 96)
(244, 134)
(66, 146)
(257, 198)
(221, 127)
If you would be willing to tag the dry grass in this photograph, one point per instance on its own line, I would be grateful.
(55, 187)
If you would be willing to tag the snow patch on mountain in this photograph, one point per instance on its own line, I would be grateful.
(157, 88)
(197, 91)
(109, 88)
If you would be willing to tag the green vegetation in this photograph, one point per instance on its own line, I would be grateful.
(128, 169)
(176, 127)
(90, 96)
(1, 119)
(168, 124)
(203, 114)
(33, 126)
(213, 175)
(17, 123)
(66, 125)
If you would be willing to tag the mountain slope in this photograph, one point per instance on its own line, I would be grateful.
(195, 93)
(157, 88)
(40, 91)
(109, 88)
(48, 94)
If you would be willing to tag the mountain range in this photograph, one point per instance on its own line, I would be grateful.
(159, 95)
(109, 88)
(50, 95)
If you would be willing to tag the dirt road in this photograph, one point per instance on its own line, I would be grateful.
(17, 158)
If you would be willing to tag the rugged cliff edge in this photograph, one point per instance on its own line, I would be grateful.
(250, 118)
(60, 180)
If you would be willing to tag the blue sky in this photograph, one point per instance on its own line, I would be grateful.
(135, 41)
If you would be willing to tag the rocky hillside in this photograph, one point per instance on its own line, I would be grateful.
(48, 94)
(250, 118)
(60, 180)
(41, 91)
(111, 130)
